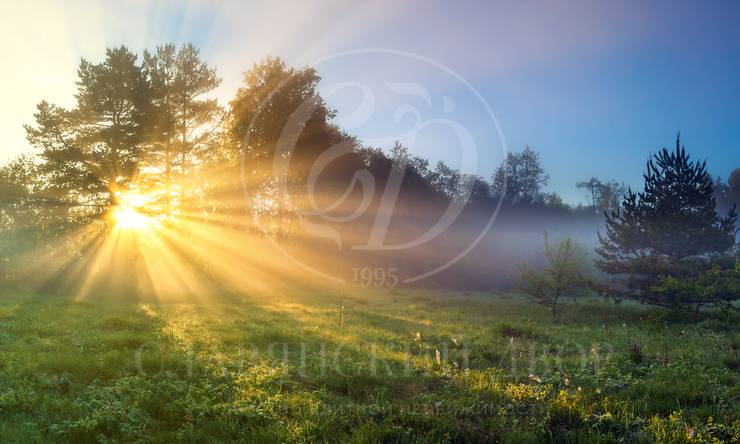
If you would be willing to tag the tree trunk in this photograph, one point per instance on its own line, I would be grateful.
(553, 308)
(113, 199)
(168, 181)
(696, 311)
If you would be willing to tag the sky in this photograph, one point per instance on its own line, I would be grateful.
(594, 86)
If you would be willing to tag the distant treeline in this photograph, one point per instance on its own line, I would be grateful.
(145, 133)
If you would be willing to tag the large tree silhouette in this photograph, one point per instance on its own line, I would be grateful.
(669, 230)
(91, 151)
(280, 107)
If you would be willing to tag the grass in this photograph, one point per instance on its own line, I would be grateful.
(406, 366)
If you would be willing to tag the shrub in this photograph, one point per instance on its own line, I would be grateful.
(561, 276)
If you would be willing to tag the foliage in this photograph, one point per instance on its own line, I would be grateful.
(553, 200)
(148, 126)
(520, 178)
(733, 185)
(717, 286)
(669, 231)
(29, 218)
(562, 275)
(90, 151)
(605, 196)
(17, 180)
(280, 126)
(183, 121)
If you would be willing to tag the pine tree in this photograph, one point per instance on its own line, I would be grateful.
(669, 230)
(93, 150)
(183, 120)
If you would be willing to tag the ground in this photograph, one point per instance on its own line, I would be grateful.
(404, 366)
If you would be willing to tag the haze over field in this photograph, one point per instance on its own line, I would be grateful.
(407, 222)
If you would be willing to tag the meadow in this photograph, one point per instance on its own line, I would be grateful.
(402, 366)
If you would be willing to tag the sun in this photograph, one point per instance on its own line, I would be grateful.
(127, 215)
(127, 218)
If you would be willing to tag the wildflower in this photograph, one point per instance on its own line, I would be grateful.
(534, 378)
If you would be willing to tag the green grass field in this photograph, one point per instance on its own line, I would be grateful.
(405, 366)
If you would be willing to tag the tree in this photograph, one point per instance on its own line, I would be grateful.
(610, 195)
(478, 190)
(92, 151)
(722, 194)
(670, 230)
(560, 277)
(447, 180)
(184, 120)
(520, 178)
(272, 93)
(553, 200)
(733, 186)
(716, 286)
(28, 219)
(605, 196)
(593, 186)
(18, 181)
(275, 104)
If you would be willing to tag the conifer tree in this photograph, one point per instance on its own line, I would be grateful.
(93, 150)
(670, 230)
(183, 119)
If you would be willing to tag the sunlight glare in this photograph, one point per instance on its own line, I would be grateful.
(128, 218)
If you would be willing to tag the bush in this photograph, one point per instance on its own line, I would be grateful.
(561, 276)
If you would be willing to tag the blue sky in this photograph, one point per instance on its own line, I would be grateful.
(594, 86)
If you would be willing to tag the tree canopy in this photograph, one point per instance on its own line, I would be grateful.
(145, 136)
(520, 178)
(670, 229)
